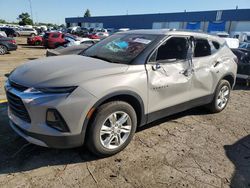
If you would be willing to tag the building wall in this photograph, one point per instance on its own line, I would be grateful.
(234, 20)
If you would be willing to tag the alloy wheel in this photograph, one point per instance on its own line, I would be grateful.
(115, 130)
(223, 97)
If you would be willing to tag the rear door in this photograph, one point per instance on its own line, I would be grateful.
(169, 75)
(205, 60)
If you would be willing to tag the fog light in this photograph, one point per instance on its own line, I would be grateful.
(55, 120)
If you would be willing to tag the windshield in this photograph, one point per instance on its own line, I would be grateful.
(120, 48)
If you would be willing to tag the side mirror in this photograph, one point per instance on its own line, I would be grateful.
(156, 66)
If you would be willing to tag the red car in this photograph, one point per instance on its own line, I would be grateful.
(36, 40)
(93, 36)
(53, 39)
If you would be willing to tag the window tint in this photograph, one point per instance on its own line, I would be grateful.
(55, 35)
(174, 48)
(202, 48)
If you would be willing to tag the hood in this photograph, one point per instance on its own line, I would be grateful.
(60, 71)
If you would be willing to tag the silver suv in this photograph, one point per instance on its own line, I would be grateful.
(125, 81)
(26, 32)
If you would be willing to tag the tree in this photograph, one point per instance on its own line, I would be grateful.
(87, 13)
(3, 21)
(24, 19)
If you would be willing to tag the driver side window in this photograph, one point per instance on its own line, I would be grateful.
(175, 48)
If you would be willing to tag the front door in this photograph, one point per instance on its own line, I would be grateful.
(169, 76)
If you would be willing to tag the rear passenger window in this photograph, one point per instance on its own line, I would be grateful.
(216, 45)
(202, 48)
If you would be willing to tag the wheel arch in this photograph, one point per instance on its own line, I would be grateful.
(127, 96)
(230, 78)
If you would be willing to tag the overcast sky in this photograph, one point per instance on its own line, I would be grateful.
(55, 11)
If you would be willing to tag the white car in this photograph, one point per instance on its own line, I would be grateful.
(74, 41)
(26, 32)
(102, 35)
(232, 43)
(3, 34)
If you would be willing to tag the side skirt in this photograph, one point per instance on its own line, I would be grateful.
(179, 108)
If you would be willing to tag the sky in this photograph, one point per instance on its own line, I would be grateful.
(55, 11)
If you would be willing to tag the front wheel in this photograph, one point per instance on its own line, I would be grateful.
(112, 129)
(221, 97)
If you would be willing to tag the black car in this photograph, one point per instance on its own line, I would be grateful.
(7, 44)
(243, 55)
(9, 31)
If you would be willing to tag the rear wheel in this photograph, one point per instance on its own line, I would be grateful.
(38, 43)
(221, 97)
(32, 35)
(3, 50)
(112, 129)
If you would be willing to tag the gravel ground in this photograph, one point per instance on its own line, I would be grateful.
(190, 149)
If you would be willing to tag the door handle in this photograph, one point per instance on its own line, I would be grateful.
(217, 63)
(187, 72)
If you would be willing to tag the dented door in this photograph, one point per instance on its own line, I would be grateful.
(168, 84)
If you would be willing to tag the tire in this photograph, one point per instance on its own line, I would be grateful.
(221, 97)
(3, 50)
(32, 34)
(115, 136)
(38, 43)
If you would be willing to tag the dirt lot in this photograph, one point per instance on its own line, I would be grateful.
(191, 149)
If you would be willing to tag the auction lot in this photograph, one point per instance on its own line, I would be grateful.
(190, 149)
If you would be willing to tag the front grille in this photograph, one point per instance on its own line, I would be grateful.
(17, 107)
(17, 86)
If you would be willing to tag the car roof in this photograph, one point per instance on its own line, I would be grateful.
(176, 32)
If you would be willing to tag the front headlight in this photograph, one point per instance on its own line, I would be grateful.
(51, 90)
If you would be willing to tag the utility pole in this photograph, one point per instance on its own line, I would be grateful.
(31, 13)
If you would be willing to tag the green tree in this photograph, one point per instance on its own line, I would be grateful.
(87, 13)
(24, 19)
(2, 21)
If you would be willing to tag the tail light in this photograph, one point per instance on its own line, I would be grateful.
(12, 41)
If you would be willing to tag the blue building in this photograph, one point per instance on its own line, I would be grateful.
(221, 20)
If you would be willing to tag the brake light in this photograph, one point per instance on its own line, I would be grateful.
(12, 41)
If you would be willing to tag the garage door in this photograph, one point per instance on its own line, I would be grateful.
(216, 26)
(193, 26)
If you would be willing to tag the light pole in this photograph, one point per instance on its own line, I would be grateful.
(31, 10)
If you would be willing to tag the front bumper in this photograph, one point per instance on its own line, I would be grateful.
(73, 108)
(60, 142)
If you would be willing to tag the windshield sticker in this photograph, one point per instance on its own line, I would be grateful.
(143, 41)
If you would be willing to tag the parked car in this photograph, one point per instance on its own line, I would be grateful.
(3, 34)
(123, 82)
(26, 32)
(36, 40)
(242, 36)
(243, 55)
(76, 49)
(94, 36)
(7, 44)
(232, 43)
(68, 50)
(9, 31)
(53, 39)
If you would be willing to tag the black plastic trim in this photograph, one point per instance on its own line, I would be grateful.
(179, 108)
